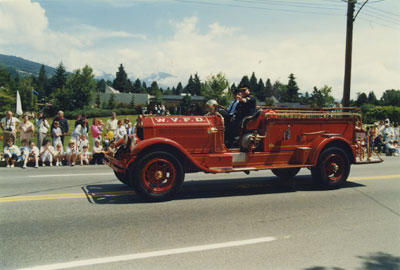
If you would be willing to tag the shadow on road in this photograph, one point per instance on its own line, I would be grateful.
(375, 261)
(200, 189)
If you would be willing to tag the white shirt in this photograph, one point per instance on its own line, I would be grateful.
(97, 149)
(120, 132)
(9, 123)
(42, 126)
(34, 150)
(111, 124)
(13, 149)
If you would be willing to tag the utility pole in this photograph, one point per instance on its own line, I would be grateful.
(349, 46)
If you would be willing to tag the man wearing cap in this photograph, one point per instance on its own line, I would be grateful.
(246, 106)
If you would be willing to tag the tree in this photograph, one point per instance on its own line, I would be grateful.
(121, 81)
(253, 83)
(197, 85)
(279, 91)
(292, 89)
(155, 91)
(245, 81)
(58, 81)
(372, 98)
(25, 90)
(179, 89)
(132, 103)
(260, 91)
(41, 83)
(137, 86)
(97, 101)
(361, 99)
(101, 86)
(78, 91)
(322, 97)
(216, 87)
(268, 89)
(112, 103)
(186, 104)
(391, 98)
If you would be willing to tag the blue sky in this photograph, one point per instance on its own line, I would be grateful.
(236, 37)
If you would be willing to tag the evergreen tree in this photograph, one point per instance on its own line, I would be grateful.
(179, 89)
(268, 89)
(253, 83)
(245, 81)
(292, 89)
(361, 99)
(391, 98)
(189, 88)
(137, 86)
(185, 105)
(156, 92)
(97, 101)
(101, 86)
(41, 82)
(197, 85)
(58, 81)
(322, 97)
(260, 91)
(112, 103)
(372, 98)
(121, 81)
(279, 91)
(144, 88)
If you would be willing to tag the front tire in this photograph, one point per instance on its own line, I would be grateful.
(332, 169)
(286, 173)
(157, 176)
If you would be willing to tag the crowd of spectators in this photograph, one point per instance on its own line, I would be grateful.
(50, 147)
(383, 137)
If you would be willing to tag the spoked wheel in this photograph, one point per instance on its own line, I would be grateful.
(286, 173)
(158, 176)
(332, 169)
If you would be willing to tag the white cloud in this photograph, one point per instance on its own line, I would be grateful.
(315, 60)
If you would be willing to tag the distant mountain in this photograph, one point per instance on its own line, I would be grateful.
(23, 67)
(105, 76)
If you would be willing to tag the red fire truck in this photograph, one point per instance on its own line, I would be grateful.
(155, 160)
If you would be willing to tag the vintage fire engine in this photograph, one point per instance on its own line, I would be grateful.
(155, 160)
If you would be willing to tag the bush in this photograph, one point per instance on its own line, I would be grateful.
(91, 113)
(375, 113)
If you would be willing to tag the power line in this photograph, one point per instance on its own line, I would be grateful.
(292, 4)
(258, 8)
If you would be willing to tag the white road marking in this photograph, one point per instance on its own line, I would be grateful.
(151, 254)
(67, 175)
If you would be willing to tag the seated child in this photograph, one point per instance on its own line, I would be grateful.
(98, 153)
(33, 155)
(47, 153)
(24, 148)
(59, 154)
(11, 153)
(71, 153)
(84, 155)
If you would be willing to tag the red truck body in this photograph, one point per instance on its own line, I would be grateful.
(164, 148)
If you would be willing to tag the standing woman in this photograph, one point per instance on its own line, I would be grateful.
(96, 129)
(27, 129)
(42, 127)
(120, 131)
(80, 129)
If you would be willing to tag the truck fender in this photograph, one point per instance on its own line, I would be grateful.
(165, 142)
(320, 144)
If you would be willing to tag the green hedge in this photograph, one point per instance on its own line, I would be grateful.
(375, 113)
(91, 113)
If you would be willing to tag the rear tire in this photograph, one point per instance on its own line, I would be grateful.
(286, 173)
(332, 169)
(157, 176)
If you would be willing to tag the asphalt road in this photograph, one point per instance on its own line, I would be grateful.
(84, 218)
